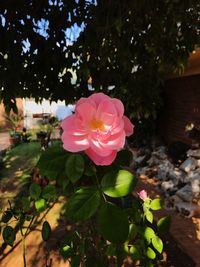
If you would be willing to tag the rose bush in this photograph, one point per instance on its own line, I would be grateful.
(109, 222)
(98, 127)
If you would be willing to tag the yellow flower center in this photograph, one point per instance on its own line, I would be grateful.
(96, 125)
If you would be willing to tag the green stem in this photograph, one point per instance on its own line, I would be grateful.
(99, 188)
(23, 247)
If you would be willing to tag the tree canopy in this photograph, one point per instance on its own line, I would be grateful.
(124, 47)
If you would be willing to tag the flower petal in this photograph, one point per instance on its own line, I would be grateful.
(114, 142)
(99, 160)
(119, 107)
(98, 98)
(128, 126)
(98, 148)
(74, 143)
(73, 126)
(86, 112)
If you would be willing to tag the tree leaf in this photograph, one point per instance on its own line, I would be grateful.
(156, 204)
(124, 158)
(132, 231)
(134, 252)
(7, 216)
(46, 231)
(66, 251)
(118, 184)
(149, 216)
(9, 235)
(52, 162)
(75, 261)
(83, 204)
(35, 191)
(113, 223)
(149, 234)
(74, 167)
(157, 243)
(164, 224)
(111, 250)
(49, 192)
(40, 205)
(26, 203)
(150, 253)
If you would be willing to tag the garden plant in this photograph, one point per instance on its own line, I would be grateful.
(110, 222)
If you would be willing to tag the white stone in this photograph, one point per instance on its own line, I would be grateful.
(185, 193)
(168, 185)
(163, 170)
(153, 161)
(187, 209)
(176, 175)
(170, 202)
(160, 153)
(140, 159)
(195, 184)
(189, 165)
(194, 153)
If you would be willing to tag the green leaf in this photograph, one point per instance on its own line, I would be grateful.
(134, 252)
(149, 216)
(52, 162)
(83, 204)
(26, 203)
(62, 180)
(9, 235)
(111, 250)
(46, 231)
(66, 251)
(7, 216)
(149, 234)
(132, 231)
(40, 205)
(157, 244)
(156, 204)
(49, 192)
(90, 170)
(164, 224)
(150, 253)
(124, 158)
(118, 184)
(113, 223)
(74, 167)
(35, 191)
(75, 261)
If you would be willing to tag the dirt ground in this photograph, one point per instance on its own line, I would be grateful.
(182, 246)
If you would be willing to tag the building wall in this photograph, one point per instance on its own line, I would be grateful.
(181, 108)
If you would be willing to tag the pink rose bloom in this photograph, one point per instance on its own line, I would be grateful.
(98, 127)
(143, 194)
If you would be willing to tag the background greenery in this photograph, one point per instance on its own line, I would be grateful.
(131, 45)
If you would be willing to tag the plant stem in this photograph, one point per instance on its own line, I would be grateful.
(23, 247)
(99, 188)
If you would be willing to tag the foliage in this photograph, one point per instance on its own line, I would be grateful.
(13, 120)
(127, 44)
(109, 223)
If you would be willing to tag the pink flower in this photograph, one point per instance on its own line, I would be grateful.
(143, 194)
(98, 127)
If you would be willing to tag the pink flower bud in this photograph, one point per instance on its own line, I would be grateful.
(143, 194)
